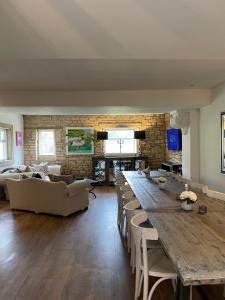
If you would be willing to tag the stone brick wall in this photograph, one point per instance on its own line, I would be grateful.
(153, 147)
(171, 155)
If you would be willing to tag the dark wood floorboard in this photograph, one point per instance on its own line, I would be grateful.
(81, 257)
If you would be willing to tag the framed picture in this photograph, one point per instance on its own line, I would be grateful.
(19, 138)
(79, 140)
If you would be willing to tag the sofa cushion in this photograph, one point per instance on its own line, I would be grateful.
(24, 176)
(40, 168)
(24, 168)
(68, 179)
(36, 175)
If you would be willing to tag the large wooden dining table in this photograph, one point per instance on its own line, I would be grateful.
(194, 242)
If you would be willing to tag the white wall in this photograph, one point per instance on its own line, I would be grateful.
(210, 141)
(190, 148)
(17, 122)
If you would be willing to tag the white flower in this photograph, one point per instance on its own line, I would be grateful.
(188, 195)
(162, 179)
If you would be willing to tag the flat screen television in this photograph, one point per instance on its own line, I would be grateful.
(174, 139)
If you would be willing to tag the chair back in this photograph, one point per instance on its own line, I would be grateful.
(216, 195)
(141, 234)
(119, 175)
(127, 196)
(199, 186)
(118, 185)
(131, 209)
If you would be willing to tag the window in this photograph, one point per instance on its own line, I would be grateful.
(6, 144)
(3, 144)
(120, 141)
(46, 142)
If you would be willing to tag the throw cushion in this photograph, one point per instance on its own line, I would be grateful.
(36, 175)
(40, 168)
(68, 179)
(23, 176)
(28, 169)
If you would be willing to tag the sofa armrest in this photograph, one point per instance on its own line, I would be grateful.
(76, 187)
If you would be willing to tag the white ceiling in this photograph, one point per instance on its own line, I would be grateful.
(82, 110)
(114, 74)
(141, 29)
(103, 45)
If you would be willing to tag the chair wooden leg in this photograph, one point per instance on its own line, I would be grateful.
(145, 286)
(174, 283)
(140, 284)
(137, 282)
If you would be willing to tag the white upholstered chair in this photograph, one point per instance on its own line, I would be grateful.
(118, 185)
(121, 188)
(198, 186)
(131, 209)
(149, 262)
(216, 195)
(220, 196)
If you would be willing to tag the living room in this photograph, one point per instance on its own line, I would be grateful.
(112, 150)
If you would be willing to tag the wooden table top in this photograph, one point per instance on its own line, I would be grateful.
(195, 243)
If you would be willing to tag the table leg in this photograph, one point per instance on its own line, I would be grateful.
(183, 292)
(186, 293)
(178, 289)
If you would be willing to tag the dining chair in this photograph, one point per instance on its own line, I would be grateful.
(215, 194)
(119, 176)
(198, 186)
(131, 208)
(149, 262)
(162, 171)
(118, 185)
(127, 196)
(121, 188)
(220, 196)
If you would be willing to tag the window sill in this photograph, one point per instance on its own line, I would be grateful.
(120, 154)
(4, 163)
(48, 157)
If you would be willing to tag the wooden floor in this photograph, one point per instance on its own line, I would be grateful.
(81, 257)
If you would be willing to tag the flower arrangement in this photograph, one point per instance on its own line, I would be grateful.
(188, 196)
(162, 180)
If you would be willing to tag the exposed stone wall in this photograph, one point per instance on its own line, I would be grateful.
(171, 155)
(153, 147)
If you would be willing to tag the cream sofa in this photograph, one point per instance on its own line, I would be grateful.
(4, 195)
(42, 196)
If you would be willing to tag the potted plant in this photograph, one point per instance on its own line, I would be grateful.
(162, 182)
(187, 199)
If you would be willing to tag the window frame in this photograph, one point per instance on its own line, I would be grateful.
(121, 153)
(9, 141)
(39, 155)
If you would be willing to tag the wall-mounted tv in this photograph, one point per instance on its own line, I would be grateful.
(174, 139)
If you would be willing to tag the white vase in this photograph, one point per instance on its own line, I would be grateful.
(162, 185)
(186, 206)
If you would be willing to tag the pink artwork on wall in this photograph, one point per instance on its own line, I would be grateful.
(19, 138)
